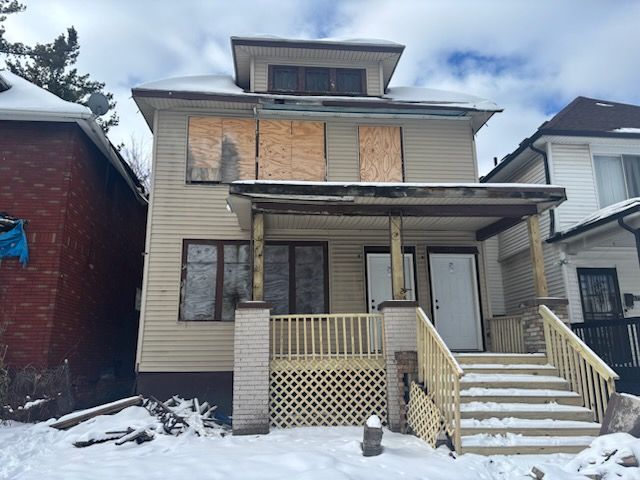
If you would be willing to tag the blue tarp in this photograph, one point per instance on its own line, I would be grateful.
(14, 243)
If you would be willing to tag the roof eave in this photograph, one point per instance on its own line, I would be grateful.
(576, 231)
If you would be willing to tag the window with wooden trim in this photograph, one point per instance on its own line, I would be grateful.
(296, 277)
(216, 276)
(380, 149)
(317, 80)
(220, 150)
(291, 150)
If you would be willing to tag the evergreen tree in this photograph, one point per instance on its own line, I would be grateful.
(51, 65)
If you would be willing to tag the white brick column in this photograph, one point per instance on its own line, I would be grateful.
(251, 369)
(400, 336)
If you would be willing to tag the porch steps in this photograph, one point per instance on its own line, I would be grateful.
(517, 404)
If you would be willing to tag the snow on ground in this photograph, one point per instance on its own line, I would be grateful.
(38, 451)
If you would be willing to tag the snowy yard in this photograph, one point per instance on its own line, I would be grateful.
(38, 452)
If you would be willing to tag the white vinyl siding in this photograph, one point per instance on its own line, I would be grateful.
(494, 276)
(573, 170)
(261, 71)
(623, 259)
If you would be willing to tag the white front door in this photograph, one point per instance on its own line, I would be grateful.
(379, 279)
(454, 293)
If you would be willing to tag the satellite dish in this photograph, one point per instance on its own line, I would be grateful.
(98, 104)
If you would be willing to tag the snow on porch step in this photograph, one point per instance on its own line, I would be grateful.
(510, 368)
(482, 410)
(509, 444)
(503, 358)
(519, 395)
(470, 380)
(529, 427)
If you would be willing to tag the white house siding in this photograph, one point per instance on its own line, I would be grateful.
(572, 169)
(261, 71)
(623, 259)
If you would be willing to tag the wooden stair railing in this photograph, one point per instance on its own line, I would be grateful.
(587, 373)
(440, 373)
(507, 334)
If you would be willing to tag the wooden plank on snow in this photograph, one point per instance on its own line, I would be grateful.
(75, 418)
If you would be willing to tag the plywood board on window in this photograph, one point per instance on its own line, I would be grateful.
(238, 149)
(380, 154)
(307, 151)
(204, 149)
(275, 150)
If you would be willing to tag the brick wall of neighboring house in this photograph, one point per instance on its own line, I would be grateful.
(76, 298)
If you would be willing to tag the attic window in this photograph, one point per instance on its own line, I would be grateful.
(316, 80)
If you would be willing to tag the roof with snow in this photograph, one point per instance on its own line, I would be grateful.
(21, 100)
(583, 117)
(600, 217)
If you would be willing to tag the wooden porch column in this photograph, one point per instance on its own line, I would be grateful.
(257, 241)
(537, 256)
(397, 260)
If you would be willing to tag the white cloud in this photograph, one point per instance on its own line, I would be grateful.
(548, 51)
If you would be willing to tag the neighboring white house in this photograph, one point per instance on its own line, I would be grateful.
(592, 248)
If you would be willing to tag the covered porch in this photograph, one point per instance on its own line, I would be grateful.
(391, 241)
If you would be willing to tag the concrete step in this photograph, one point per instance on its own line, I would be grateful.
(503, 358)
(471, 380)
(532, 411)
(528, 427)
(521, 395)
(514, 368)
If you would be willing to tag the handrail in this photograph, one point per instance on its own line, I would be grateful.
(507, 334)
(587, 373)
(440, 373)
(327, 336)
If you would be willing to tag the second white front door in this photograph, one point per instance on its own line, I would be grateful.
(379, 279)
(456, 306)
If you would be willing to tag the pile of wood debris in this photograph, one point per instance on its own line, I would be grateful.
(173, 417)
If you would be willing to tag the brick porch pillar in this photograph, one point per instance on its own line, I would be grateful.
(532, 325)
(400, 337)
(251, 369)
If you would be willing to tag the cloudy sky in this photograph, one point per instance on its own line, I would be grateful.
(530, 57)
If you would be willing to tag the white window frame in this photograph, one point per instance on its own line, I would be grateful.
(595, 173)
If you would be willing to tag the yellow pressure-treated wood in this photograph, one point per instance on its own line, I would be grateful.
(257, 238)
(537, 256)
(397, 260)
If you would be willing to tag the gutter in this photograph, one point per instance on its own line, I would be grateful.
(547, 179)
(603, 221)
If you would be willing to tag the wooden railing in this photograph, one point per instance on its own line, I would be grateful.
(440, 373)
(588, 374)
(324, 336)
(507, 334)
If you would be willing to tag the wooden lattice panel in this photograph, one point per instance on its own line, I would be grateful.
(423, 415)
(327, 392)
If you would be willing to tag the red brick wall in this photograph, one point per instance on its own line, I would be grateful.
(77, 296)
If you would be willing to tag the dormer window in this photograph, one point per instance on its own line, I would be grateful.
(316, 80)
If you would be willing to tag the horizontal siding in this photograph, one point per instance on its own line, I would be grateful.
(438, 151)
(494, 276)
(342, 152)
(261, 71)
(623, 259)
(573, 170)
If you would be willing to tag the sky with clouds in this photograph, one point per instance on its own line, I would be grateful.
(531, 57)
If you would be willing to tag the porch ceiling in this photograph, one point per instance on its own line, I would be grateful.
(486, 209)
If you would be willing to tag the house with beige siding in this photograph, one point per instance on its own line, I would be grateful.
(315, 245)
(592, 241)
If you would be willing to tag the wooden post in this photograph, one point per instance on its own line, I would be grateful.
(397, 260)
(257, 239)
(537, 256)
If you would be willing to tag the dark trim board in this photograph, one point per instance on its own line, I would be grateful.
(213, 387)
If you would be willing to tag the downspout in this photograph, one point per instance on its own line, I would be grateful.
(634, 231)
(547, 178)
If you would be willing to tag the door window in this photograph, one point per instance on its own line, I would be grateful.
(599, 293)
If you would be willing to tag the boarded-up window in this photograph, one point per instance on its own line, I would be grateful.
(291, 150)
(215, 278)
(380, 154)
(295, 279)
(220, 149)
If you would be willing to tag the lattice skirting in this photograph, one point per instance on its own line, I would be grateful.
(330, 392)
(423, 415)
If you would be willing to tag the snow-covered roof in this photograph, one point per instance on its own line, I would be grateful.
(336, 40)
(25, 98)
(225, 85)
(22, 100)
(602, 216)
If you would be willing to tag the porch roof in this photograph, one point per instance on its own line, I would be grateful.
(486, 209)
